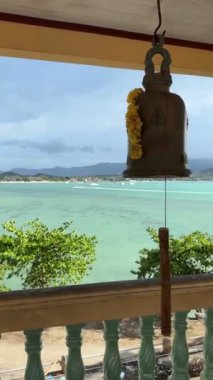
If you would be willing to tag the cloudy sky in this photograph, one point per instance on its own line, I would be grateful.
(55, 114)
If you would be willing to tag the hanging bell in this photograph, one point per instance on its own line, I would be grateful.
(157, 148)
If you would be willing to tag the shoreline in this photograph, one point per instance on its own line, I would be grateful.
(95, 180)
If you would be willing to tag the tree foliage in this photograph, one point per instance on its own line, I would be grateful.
(2, 275)
(189, 254)
(44, 257)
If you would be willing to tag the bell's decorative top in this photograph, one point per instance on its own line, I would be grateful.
(134, 124)
(156, 122)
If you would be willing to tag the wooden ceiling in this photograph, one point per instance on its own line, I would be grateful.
(190, 20)
(188, 24)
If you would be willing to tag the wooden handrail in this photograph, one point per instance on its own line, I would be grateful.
(31, 309)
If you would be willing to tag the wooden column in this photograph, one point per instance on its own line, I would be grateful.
(165, 282)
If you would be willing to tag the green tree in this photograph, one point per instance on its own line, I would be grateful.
(2, 275)
(189, 254)
(44, 257)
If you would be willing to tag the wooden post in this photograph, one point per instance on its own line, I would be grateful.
(165, 282)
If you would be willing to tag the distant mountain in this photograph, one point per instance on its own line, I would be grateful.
(209, 170)
(9, 174)
(205, 174)
(105, 169)
(23, 171)
(84, 171)
(197, 164)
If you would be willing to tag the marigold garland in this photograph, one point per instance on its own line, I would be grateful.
(134, 124)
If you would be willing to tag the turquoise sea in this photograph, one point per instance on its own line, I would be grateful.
(117, 213)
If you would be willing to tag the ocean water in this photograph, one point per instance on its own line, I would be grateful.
(118, 213)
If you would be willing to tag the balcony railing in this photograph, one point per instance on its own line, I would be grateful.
(32, 310)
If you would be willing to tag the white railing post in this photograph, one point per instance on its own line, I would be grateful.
(180, 353)
(146, 360)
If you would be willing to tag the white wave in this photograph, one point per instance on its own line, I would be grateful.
(144, 190)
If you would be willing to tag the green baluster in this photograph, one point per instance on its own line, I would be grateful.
(146, 359)
(33, 346)
(112, 360)
(180, 353)
(207, 373)
(75, 365)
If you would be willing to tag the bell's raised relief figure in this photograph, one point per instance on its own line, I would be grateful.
(160, 142)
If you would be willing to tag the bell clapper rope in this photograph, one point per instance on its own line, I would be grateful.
(163, 232)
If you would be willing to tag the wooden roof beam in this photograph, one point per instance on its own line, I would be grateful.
(27, 37)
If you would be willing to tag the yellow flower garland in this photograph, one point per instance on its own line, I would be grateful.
(134, 124)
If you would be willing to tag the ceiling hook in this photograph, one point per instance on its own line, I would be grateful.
(156, 37)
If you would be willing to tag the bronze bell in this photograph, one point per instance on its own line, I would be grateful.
(164, 123)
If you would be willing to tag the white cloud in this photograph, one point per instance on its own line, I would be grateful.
(81, 106)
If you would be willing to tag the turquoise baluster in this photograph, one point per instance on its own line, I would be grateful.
(180, 353)
(112, 360)
(33, 346)
(146, 359)
(75, 365)
(207, 373)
